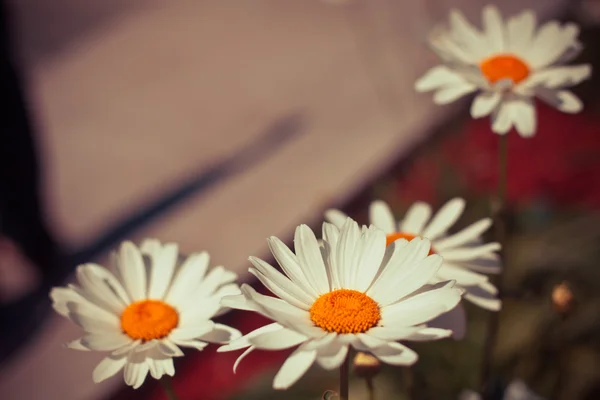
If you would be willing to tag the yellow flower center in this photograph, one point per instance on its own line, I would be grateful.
(392, 237)
(504, 66)
(149, 319)
(345, 311)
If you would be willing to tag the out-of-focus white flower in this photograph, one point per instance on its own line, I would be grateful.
(508, 63)
(350, 290)
(149, 308)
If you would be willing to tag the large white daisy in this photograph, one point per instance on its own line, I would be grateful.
(508, 63)
(144, 311)
(466, 259)
(349, 290)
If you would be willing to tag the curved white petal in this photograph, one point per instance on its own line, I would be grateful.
(415, 219)
(444, 218)
(551, 42)
(221, 334)
(468, 234)
(485, 103)
(370, 258)
(108, 367)
(294, 367)
(244, 341)
(466, 34)
(289, 264)
(380, 215)
(102, 288)
(192, 332)
(336, 217)
(132, 270)
(161, 273)
(470, 252)
(449, 94)
(332, 356)
(105, 341)
(564, 100)
(277, 340)
(524, 118)
(422, 307)
(462, 276)
(188, 278)
(310, 258)
(439, 77)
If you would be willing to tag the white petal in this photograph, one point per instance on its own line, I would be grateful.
(449, 94)
(373, 249)
(192, 332)
(108, 367)
(332, 356)
(439, 77)
(502, 119)
(195, 344)
(102, 288)
(470, 233)
(289, 264)
(169, 348)
(331, 236)
(395, 354)
(216, 278)
(76, 345)
(551, 42)
(280, 285)
(135, 373)
(462, 276)
(336, 217)
(429, 334)
(244, 341)
(564, 100)
(467, 34)
(63, 299)
(408, 269)
(494, 30)
(483, 299)
(132, 270)
(293, 368)
(415, 219)
(485, 103)
(524, 118)
(188, 278)
(238, 302)
(161, 273)
(380, 215)
(277, 340)
(93, 319)
(392, 333)
(422, 307)
(221, 334)
(444, 218)
(471, 252)
(520, 30)
(555, 78)
(311, 261)
(105, 341)
(346, 261)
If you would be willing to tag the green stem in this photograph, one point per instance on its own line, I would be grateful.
(498, 212)
(167, 385)
(345, 379)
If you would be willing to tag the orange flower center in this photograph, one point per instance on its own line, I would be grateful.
(149, 319)
(504, 67)
(345, 311)
(392, 237)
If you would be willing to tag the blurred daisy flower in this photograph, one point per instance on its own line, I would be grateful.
(349, 290)
(466, 259)
(147, 309)
(508, 64)
(517, 390)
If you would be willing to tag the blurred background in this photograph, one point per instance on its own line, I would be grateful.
(216, 124)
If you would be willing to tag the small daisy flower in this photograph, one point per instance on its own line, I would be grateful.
(149, 308)
(508, 63)
(517, 390)
(350, 290)
(465, 258)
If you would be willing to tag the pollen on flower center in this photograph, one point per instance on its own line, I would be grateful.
(345, 311)
(392, 237)
(149, 319)
(504, 67)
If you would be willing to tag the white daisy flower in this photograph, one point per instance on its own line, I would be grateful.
(352, 290)
(147, 309)
(517, 390)
(466, 260)
(508, 63)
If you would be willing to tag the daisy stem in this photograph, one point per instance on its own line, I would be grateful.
(370, 388)
(344, 378)
(167, 385)
(498, 212)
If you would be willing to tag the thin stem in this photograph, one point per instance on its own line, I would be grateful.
(344, 378)
(499, 213)
(167, 385)
(370, 388)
